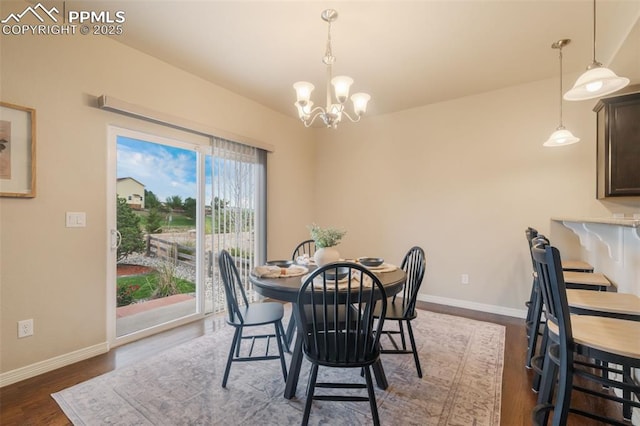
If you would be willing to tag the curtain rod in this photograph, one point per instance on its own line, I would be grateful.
(110, 103)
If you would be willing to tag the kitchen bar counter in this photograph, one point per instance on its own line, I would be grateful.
(610, 244)
(619, 221)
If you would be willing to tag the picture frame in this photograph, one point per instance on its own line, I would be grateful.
(17, 151)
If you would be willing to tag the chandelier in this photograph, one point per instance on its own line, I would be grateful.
(333, 112)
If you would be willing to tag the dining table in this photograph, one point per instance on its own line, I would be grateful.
(285, 289)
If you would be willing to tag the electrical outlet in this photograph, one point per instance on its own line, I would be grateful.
(25, 328)
(464, 279)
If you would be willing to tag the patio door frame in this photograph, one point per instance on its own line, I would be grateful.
(111, 218)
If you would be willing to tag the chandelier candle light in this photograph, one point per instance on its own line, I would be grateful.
(561, 136)
(598, 80)
(332, 113)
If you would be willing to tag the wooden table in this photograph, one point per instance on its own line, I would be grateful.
(286, 290)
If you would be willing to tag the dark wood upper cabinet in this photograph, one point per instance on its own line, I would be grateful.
(618, 143)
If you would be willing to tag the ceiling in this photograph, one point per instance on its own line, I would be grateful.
(404, 53)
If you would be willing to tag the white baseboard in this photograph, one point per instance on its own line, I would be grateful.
(33, 370)
(494, 309)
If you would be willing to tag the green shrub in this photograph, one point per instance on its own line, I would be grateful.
(167, 285)
(237, 252)
(154, 221)
(125, 295)
(129, 227)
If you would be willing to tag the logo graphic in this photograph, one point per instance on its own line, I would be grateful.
(96, 22)
(34, 11)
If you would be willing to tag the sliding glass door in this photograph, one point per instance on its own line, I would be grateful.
(158, 220)
(174, 206)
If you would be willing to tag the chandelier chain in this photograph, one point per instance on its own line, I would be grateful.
(328, 54)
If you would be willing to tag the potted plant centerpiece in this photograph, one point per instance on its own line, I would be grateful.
(326, 239)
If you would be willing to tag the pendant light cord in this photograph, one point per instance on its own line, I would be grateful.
(594, 31)
(560, 97)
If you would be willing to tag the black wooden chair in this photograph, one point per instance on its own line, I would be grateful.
(403, 309)
(533, 320)
(534, 305)
(599, 341)
(340, 329)
(242, 315)
(307, 246)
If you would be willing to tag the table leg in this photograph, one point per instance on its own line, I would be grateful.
(381, 378)
(291, 329)
(294, 369)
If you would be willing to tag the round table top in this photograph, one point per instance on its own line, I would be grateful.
(286, 289)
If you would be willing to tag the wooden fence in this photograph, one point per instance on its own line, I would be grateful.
(170, 250)
(185, 255)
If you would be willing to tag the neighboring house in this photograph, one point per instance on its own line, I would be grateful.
(132, 191)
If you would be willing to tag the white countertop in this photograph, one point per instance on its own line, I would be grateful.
(619, 221)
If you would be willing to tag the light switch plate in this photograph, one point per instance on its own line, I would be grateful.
(76, 219)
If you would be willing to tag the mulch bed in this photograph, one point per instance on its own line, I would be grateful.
(126, 269)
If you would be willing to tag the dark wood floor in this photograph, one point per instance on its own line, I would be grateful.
(29, 402)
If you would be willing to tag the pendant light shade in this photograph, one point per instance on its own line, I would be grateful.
(561, 136)
(598, 80)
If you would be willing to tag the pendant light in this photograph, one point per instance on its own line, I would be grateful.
(598, 80)
(561, 136)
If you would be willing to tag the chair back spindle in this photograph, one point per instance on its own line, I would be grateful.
(552, 286)
(307, 246)
(233, 288)
(414, 265)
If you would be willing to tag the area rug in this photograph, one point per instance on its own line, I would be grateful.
(462, 362)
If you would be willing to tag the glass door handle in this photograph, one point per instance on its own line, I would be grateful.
(116, 238)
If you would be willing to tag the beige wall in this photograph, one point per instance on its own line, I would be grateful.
(56, 275)
(463, 179)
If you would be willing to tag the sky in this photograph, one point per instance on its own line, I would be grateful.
(167, 171)
(162, 169)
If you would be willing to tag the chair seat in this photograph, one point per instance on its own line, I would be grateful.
(336, 352)
(606, 334)
(596, 279)
(604, 301)
(576, 265)
(259, 314)
(395, 311)
(330, 314)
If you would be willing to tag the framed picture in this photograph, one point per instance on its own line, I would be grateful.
(17, 151)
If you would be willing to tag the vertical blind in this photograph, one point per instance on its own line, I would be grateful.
(235, 214)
